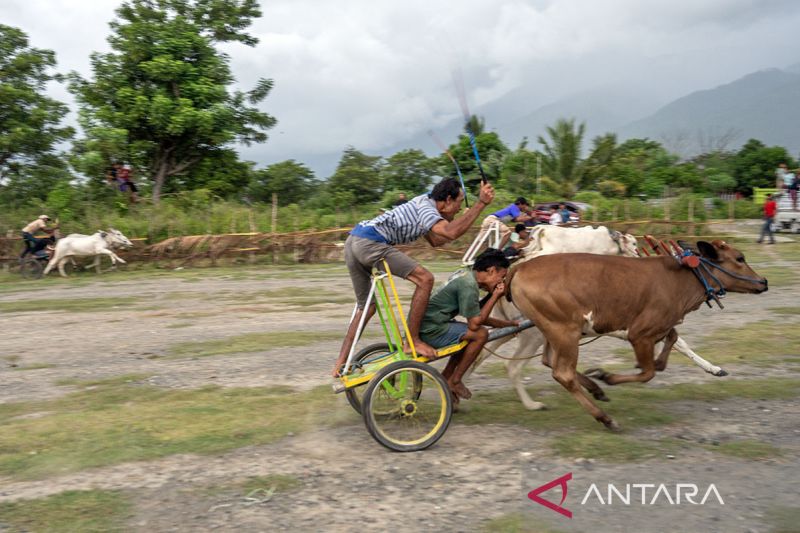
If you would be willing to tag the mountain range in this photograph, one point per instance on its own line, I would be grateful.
(761, 105)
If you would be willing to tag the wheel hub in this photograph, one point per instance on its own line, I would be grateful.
(408, 408)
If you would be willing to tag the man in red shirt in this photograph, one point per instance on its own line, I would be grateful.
(770, 208)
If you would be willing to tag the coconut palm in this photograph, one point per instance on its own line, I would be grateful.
(562, 154)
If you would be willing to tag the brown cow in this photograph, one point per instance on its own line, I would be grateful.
(567, 295)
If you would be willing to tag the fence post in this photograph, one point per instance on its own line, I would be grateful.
(731, 208)
(627, 209)
(690, 216)
(274, 226)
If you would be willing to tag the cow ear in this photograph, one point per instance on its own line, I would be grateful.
(707, 250)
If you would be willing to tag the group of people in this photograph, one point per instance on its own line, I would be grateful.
(431, 318)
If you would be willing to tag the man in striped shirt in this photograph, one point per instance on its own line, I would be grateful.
(432, 216)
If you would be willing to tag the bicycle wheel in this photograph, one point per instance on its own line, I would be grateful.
(31, 268)
(373, 351)
(407, 406)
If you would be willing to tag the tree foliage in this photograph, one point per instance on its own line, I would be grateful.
(293, 182)
(562, 154)
(160, 98)
(357, 178)
(409, 171)
(30, 125)
(755, 163)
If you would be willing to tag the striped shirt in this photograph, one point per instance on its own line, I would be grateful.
(408, 222)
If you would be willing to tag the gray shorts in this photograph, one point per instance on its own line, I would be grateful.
(361, 255)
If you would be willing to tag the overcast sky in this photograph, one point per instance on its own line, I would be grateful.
(375, 74)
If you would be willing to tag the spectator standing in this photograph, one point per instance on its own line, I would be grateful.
(562, 209)
(555, 217)
(794, 187)
(770, 208)
(401, 199)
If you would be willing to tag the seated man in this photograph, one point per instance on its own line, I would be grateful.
(518, 240)
(460, 296)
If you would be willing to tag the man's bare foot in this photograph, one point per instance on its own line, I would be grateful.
(460, 390)
(423, 349)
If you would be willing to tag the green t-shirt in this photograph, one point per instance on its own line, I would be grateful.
(459, 296)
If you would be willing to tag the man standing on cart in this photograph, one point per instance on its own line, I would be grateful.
(432, 216)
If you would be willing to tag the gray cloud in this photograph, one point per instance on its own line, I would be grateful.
(373, 74)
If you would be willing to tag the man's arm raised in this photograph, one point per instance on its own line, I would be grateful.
(444, 231)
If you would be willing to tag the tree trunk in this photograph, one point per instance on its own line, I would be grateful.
(160, 176)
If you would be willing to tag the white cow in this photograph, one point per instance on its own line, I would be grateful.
(116, 244)
(76, 245)
(554, 239)
(547, 240)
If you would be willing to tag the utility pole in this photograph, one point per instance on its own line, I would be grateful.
(538, 174)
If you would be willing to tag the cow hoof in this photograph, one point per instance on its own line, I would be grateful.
(719, 373)
(611, 425)
(596, 373)
(535, 406)
(601, 397)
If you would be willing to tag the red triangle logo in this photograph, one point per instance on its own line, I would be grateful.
(562, 481)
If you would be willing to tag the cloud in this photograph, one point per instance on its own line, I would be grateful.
(371, 74)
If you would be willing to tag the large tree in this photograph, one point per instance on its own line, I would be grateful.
(165, 85)
(357, 179)
(409, 171)
(30, 125)
(290, 180)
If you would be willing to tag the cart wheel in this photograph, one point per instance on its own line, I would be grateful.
(373, 352)
(31, 268)
(407, 406)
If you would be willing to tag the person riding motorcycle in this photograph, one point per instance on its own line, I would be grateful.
(32, 243)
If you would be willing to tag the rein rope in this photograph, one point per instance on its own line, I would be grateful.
(704, 269)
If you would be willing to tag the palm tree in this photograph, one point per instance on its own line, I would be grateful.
(475, 124)
(562, 154)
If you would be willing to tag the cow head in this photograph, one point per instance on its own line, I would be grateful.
(733, 271)
(628, 246)
(116, 239)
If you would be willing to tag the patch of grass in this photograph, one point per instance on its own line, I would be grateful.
(516, 523)
(116, 380)
(763, 341)
(778, 276)
(69, 304)
(783, 519)
(748, 449)
(785, 310)
(632, 406)
(275, 483)
(84, 511)
(116, 422)
(607, 446)
(251, 342)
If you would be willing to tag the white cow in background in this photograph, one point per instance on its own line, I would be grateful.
(546, 240)
(97, 244)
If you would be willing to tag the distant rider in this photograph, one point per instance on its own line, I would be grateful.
(29, 232)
